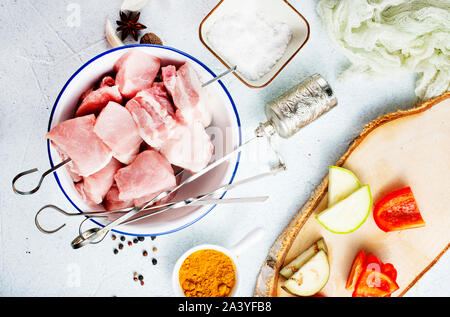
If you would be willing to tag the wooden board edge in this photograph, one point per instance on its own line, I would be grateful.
(266, 282)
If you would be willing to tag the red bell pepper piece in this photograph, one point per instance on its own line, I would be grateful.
(373, 263)
(371, 278)
(398, 211)
(356, 270)
(390, 271)
(374, 284)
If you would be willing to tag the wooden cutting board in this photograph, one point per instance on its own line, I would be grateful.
(406, 148)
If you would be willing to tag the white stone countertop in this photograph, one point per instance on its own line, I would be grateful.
(40, 50)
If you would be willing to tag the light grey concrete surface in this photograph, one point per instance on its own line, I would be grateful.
(41, 48)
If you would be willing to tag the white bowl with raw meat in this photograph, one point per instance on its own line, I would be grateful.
(225, 132)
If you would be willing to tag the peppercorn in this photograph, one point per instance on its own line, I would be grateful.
(140, 278)
(154, 261)
(135, 240)
(155, 249)
(151, 38)
(122, 238)
(141, 239)
(145, 253)
(120, 246)
(113, 237)
(130, 243)
(153, 238)
(135, 277)
(116, 251)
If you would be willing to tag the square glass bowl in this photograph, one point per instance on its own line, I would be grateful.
(277, 10)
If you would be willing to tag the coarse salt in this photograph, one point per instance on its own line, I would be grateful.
(249, 41)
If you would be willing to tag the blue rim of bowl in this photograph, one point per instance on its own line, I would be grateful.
(160, 47)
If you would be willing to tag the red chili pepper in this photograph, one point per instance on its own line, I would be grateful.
(398, 211)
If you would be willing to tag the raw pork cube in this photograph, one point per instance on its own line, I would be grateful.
(95, 100)
(169, 75)
(189, 97)
(107, 81)
(77, 140)
(117, 129)
(136, 71)
(97, 185)
(139, 202)
(189, 147)
(69, 166)
(153, 113)
(149, 173)
(112, 201)
(80, 189)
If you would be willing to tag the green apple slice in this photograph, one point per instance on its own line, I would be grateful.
(349, 214)
(290, 268)
(341, 183)
(311, 277)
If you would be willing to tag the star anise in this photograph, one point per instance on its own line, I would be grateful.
(128, 24)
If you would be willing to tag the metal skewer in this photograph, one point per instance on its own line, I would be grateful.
(81, 241)
(190, 201)
(106, 214)
(29, 192)
(94, 234)
(228, 71)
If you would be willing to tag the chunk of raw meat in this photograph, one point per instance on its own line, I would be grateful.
(95, 100)
(112, 201)
(80, 189)
(117, 129)
(139, 202)
(189, 147)
(153, 113)
(76, 139)
(107, 81)
(136, 71)
(149, 173)
(160, 85)
(97, 185)
(190, 98)
(169, 75)
(69, 166)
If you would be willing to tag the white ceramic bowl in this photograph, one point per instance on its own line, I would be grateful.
(233, 253)
(225, 129)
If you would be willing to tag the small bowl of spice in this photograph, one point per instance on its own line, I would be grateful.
(258, 37)
(210, 270)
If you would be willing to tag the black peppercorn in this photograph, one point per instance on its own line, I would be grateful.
(154, 261)
(116, 251)
(141, 238)
(120, 246)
